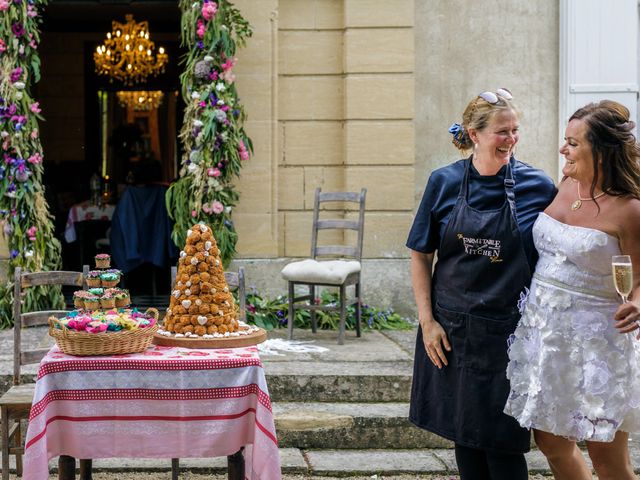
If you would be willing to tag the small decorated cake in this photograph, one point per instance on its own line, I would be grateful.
(91, 302)
(122, 298)
(103, 260)
(93, 278)
(78, 298)
(108, 299)
(109, 279)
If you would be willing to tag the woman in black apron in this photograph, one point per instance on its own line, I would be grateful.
(477, 214)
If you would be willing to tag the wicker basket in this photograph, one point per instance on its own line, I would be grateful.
(107, 343)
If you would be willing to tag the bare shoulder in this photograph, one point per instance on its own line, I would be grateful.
(625, 213)
(557, 208)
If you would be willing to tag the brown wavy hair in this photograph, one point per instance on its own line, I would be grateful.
(614, 147)
(477, 115)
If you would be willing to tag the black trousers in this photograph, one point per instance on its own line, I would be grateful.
(476, 464)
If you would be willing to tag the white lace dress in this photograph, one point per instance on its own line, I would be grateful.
(571, 372)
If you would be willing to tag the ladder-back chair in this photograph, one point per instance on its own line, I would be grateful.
(15, 404)
(341, 271)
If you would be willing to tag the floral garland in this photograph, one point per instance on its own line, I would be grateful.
(215, 143)
(26, 223)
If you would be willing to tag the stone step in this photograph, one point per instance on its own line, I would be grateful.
(339, 381)
(350, 426)
(316, 462)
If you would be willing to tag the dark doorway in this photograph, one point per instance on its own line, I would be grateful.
(88, 133)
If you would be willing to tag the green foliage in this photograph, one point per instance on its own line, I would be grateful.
(270, 314)
(213, 136)
(26, 223)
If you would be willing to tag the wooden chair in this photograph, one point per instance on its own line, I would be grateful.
(342, 271)
(235, 281)
(15, 404)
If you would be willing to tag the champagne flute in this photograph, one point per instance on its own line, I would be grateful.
(622, 275)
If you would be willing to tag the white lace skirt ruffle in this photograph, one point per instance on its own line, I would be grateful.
(571, 372)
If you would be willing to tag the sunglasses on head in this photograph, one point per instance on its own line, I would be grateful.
(491, 97)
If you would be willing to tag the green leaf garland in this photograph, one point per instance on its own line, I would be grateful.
(24, 213)
(213, 136)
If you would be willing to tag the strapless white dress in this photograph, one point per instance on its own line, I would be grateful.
(571, 372)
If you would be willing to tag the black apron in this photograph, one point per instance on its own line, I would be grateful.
(481, 270)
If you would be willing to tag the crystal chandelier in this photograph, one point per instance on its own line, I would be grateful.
(142, 101)
(127, 54)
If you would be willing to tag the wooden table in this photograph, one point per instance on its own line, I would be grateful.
(166, 402)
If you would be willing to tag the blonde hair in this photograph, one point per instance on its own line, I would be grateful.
(477, 115)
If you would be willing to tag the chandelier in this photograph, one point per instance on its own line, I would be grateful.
(127, 54)
(142, 101)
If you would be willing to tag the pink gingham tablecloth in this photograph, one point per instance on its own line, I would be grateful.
(166, 402)
(82, 212)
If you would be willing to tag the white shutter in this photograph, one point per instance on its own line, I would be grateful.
(598, 55)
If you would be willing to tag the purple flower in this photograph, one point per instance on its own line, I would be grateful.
(17, 29)
(16, 74)
(23, 174)
(200, 45)
(14, 253)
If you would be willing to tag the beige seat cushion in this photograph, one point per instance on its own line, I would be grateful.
(333, 272)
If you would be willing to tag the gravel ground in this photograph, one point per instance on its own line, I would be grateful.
(194, 476)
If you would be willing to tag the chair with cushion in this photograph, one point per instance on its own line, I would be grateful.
(15, 404)
(341, 270)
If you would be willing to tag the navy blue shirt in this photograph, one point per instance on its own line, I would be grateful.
(534, 190)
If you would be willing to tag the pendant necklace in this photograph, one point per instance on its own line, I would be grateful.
(578, 203)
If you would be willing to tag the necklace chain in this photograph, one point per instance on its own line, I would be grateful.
(578, 203)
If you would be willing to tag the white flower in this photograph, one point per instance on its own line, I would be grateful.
(604, 430)
(227, 209)
(28, 254)
(220, 87)
(195, 95)
(555, 299)
(192, 168)
(220, 102)
(220, 116)
(589, 324)
(4, 134)
(194, 156)
(596, 377)
(19, 85)
(19, 95)
(208, 59)
(522, 302)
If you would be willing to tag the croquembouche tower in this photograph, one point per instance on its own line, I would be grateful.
(202, 312)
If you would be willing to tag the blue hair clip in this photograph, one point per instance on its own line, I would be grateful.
(455, 129)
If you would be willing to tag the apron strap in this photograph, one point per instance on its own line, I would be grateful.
(509, 186)
(464, 188)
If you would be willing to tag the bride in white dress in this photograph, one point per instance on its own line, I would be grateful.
(574, 360)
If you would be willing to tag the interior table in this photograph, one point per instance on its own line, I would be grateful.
(86, 211)
(166, 402)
